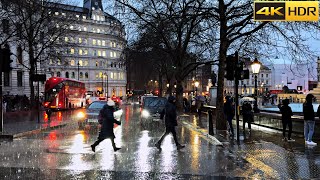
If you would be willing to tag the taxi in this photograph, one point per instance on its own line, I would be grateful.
(90, 117)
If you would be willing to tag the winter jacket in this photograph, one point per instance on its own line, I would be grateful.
(107, 123)
(308, 111)
(286, 112)
(228, 109)
(247, 112)
(170, 114)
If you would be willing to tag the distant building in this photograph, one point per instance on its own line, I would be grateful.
(302, 77)
(247, 86)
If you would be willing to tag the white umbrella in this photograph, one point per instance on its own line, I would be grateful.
(249, 99)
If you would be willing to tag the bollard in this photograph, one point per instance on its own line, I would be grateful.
(210, 112)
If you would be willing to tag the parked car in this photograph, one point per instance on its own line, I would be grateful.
(152, 107)
(89, 117)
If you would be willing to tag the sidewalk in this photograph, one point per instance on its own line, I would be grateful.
(21, 123)
(264, 148)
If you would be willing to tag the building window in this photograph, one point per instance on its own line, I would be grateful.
(58, 74)
(267, 82)
(81, 74)
(99, 53)
(103, 43)
(19, 78)
(97, 63)
(80, 40)
(71, 51)
(85, 63)
(104, 53)
(99, 42)
(72, 62)
(19, 52)
(85, 28)
(267, 75)
(67, 74)
(66, 39)
(73, 75)
(94, 42)
(86, 75)
(262, 75)
(59, 61)
(80, 62)
(80, 51)
(85, 52)
(111, 75)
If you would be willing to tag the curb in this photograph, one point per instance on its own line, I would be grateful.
(10, 137)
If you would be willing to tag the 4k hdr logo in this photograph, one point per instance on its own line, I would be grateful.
(286, 10)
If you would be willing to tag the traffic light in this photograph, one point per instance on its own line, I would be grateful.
(5, 59)
(230, 68)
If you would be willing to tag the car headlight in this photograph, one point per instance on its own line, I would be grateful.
(81, 115)
(145, 113)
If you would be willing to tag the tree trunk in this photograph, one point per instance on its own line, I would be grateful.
(221, 121)
(179, 96)
(31, 73)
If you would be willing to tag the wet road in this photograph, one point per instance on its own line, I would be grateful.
(65, 153)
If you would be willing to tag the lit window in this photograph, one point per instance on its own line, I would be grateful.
(51, 61)
(111, 54)
(85, 52)
(56, 13)
(77, 16)
(99, 42)
(103, 53)
(94, 42)
(97, 63)
(71, 51)
(85, 63)
(66, 39)
(85, 28)
(80, 40)
(80, 62)
(98, 18)
(63, 14)
(99, 53)
(111, 75)
(103, 43)
(72, 62)
(80, 51)
(98, 30)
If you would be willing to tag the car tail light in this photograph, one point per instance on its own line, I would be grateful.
(46, 104)
(59, 104)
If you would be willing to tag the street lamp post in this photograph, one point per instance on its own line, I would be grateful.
(78, 70)
(107, 84)
(255, 70)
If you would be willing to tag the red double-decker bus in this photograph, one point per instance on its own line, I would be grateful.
(64, 93)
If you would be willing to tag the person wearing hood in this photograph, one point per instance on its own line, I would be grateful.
(106, 131)
(228, 110)
(309, 121)
(170, 115)
(286, 112)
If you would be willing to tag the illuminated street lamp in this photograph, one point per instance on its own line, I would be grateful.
(196, 84)
(255, 70)
(168, 85)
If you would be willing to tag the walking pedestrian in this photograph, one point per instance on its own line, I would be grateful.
(228, 110)
(247, 115)
(286, 112)
(309, 120)
(107, 121)
(170, 115)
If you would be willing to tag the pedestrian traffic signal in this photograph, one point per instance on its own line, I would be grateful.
(5, 60)
(230, 68)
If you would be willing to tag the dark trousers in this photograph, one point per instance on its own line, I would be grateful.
(171, 130)
(284, 127)
(244, 124)
(229, 119)
(101, 139)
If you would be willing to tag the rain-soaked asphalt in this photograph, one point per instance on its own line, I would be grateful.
(65, 153)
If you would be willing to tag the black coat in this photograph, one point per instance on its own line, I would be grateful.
(308, 111)
(170, 114)
(286, 112)
(107, 122)
(247, 112)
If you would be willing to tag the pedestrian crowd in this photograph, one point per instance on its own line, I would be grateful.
(15, 103)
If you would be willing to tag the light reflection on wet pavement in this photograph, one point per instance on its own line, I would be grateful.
(65, 153)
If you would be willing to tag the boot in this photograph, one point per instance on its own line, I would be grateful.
(93, 147)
